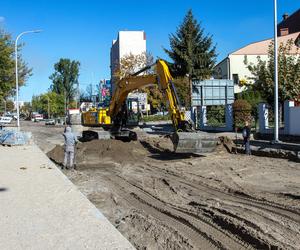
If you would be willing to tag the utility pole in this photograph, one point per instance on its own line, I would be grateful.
(276, 109)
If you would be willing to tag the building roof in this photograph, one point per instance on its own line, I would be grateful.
(292, 22)
(262, 47)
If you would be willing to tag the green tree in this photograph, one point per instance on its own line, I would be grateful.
(242, 112)
(7, 67)
(26, 109)
(192, 52)
(51, 101)
(65, 78)
(288, 73)
(252, 96)
(183, 90)
(10, 106)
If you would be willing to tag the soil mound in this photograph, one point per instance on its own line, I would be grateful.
(57, 154)
(95, 151)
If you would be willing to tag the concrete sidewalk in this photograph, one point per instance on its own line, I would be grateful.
(41, 209)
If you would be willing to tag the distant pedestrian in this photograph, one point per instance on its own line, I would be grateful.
(70, 143)
(246, 132)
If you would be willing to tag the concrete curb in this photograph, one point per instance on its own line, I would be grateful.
(42, 209)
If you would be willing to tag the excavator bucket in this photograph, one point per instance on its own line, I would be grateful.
(194, 142)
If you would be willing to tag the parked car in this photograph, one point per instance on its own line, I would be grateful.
(36, 117)
(5, 120)
(50, 122)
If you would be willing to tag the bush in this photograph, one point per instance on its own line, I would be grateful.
(216, 116)
(242, 112)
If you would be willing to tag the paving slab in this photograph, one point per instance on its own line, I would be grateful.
(41, 209)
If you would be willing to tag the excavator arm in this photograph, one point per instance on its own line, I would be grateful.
(163, 79)
(185, 139)
(124, 87)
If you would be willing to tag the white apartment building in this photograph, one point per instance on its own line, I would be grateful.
(234, 66)
(127, 42)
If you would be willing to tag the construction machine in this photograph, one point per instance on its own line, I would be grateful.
(185, 138)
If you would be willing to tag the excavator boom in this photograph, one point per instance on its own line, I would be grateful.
(185, 139)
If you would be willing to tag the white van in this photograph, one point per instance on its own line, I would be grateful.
(5, 120)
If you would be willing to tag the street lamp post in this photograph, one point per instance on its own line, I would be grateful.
(48, 107)
(276, 127)
(17, 80)
(4, 107)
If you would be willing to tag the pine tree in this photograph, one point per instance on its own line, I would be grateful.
(192, 51)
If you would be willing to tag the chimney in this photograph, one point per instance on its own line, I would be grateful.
(285, 16)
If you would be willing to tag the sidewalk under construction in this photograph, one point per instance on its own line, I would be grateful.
(41, 209)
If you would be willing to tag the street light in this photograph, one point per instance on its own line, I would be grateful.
(276, 127)
(48, 107)
(4, 107)
(17, 80)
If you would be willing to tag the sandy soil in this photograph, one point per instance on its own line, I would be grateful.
(160, 200)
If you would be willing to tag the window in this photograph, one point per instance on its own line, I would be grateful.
(235, 78)
(284, 31)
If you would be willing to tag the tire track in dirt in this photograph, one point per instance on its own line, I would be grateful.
(284, 217)
(182, 227)
(234, 196)
(218, 237)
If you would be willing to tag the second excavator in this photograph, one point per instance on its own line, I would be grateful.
(185, 138)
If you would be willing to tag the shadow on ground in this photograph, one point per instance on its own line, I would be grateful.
(165, 154)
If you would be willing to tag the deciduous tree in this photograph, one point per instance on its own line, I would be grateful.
(130, 64)
(55, 101)
(65, 78)
(7, 67)
(288, 74)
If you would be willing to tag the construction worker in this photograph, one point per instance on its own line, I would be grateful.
(70, 142)
(246, 132)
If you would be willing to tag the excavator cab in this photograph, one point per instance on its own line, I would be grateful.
(133, 112)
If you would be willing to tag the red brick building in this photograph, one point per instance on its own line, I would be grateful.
(289, 24)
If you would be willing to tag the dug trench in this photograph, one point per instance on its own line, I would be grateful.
(161, 200)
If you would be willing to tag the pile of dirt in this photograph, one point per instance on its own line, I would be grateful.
(99, 150)
(227, 144)
(57, 154)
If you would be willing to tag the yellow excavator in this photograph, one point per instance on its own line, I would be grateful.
(185, 139)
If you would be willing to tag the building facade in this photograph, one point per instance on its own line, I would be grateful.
(127, 42)
(235, 65)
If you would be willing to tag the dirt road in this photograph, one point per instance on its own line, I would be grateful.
(160, 200)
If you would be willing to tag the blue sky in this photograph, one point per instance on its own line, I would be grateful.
(83, 30)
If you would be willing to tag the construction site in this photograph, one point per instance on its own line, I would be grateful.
(162, 200)
(169, 150)
(167, 184)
